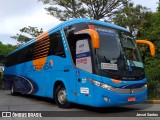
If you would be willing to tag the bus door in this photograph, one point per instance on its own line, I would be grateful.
(83, 70)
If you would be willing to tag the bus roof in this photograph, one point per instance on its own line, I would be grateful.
(68, 23)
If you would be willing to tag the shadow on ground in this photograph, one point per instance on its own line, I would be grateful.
(77, 107)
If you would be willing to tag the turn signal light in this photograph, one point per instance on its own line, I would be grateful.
(116, 81)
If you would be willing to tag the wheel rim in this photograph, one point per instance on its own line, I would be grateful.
(62, 96)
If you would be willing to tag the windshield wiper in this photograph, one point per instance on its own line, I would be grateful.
(106, 59)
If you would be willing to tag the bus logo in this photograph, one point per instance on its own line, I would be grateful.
(41, 51)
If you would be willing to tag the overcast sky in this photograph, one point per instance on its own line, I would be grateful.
(16, 14)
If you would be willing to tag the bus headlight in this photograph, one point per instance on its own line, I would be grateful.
(106, 86)
(102, 85)
(96, 83)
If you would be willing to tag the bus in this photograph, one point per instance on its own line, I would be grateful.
(81, 61)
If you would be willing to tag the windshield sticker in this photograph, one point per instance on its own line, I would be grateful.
(135, 63)
(82, 60)
(109, 66)
(105, 30)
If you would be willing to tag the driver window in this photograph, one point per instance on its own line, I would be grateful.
(71, 38)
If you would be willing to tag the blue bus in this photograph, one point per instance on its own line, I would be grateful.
(81, 61)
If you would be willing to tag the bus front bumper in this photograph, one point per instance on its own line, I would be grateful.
(106, 98)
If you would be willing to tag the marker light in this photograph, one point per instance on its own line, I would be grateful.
(106, 99)
(116, 81)
(145, 85)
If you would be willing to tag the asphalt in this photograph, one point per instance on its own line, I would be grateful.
(33, 103)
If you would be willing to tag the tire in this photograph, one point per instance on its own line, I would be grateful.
(61, 97)
(12, 90)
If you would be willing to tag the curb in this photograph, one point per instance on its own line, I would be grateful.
(153, 101)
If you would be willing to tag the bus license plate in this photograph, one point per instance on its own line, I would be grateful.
(131, 99)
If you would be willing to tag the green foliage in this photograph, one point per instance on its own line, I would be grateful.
(94, 9)
(4, 50)
(151, 32)
(132, 17)
(153, 76)
(28, 33)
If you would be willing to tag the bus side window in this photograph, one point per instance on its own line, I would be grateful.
(30, 50)
(10, 60)
(56, 45)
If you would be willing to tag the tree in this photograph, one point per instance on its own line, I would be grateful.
(28, 33)
(4, 50)
(132, 17)
(158, 8)
(94, 9)
(151, 31)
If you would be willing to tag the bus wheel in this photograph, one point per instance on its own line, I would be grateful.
(12, 90)
(61, 97)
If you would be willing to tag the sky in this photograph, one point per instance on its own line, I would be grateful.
(16, 14)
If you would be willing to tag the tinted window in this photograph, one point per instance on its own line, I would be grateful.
(21, 56)
(56, 45)
(80, 26)
(109, 46)
(51, 45)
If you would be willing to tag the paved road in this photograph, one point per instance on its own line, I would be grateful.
(32, 103)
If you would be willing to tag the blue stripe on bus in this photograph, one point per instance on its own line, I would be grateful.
(82, 55)
(21, 84)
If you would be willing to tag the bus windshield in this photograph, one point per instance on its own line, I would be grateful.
(118, 56)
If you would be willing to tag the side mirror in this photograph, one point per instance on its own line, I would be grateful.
(94, 36)
(150, 44)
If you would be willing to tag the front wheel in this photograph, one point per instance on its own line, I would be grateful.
(61, 97)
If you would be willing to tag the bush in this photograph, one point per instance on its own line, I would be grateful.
(152, 69)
